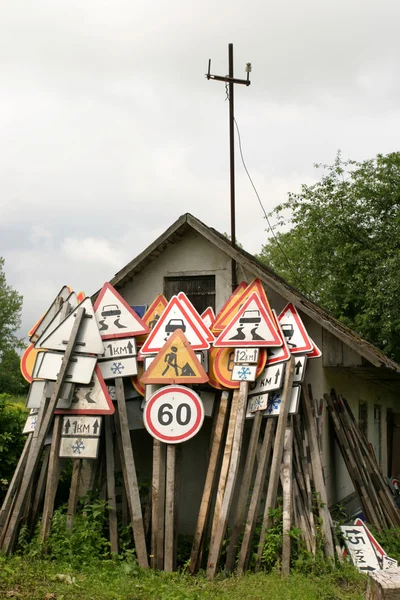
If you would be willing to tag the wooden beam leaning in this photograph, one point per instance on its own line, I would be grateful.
(240, 513)
(318, 475)
(53, 475)
(132, 488)
(38, 441)
(170, 509)
(255, 501)
(205, 506)
(287, 483)
(40, 488)
(216, 543)
(277, 455)
(111, 495)
(73, 492)
(158, 504)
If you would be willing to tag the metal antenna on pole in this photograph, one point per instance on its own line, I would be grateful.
(231, 80)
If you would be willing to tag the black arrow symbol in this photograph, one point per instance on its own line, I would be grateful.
(95, 427)
(277, 376)
(298, 367)
(67, 426)
(89, 399)
(130, 347)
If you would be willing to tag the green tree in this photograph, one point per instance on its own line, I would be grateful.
(10, 313)
(11, 380)
(343, 248)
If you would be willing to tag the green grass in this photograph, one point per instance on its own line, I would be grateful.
(27, 579)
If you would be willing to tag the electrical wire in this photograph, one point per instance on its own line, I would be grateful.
(262, 207)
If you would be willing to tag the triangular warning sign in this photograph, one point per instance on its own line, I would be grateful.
(175, 363)
(88, 340)
(229, 303)
(152, 314)
(69, 305)
(208, 317)
(92, 399)
(277, 355)
(255, 286)
(49, 315)
(115, 318)
(175, 316)
(196, 317)
(294, 331)
(251, 327)
(315, 352)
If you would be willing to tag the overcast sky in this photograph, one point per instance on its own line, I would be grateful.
(109, 130)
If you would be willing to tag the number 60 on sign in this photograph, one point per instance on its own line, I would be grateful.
(174, 414)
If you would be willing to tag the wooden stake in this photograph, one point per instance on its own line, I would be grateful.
(130, 477)
(255, 501)
(40, 488)
(216, 543)
(205, 506)
(73, 492)
(318, 475)
(53, 476)
(170, 510)
(158, 504)
(39, 439)
(240, 513)
(111, 496)
(270, 501)
(287, 479)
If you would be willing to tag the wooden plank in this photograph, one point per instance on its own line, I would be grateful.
(73, 492)
(240, 513)
(223, 476)
(302, 449)
(53, 476)
(205, 505)
(270, 501)
(384, 585)
(38, 440)
(287, 479)
(318, 475)
(170, 510)
(111, 495)
(132, 487)
(255, 500)
(216, 544)
(158, 504)
(40, 488)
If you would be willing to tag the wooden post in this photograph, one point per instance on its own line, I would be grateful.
(384, 585)
(40, 488)
(170, 510)
(111, 496)
(287, 479)
(38, 441)
(216, 543)
(130, 477)
(53, 476)
(318, 475)
(73, 492)
(158, 504)
(254, 507)
(205, 506)
(240, 513)
(270, 501)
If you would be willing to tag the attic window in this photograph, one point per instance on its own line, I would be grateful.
(200, 289)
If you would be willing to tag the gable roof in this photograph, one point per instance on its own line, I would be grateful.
(187, 222)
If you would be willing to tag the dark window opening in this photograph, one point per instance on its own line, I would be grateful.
(200, 289)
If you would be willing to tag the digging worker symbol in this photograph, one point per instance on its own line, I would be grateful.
(172, 363)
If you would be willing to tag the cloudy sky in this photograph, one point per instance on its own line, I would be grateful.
(109, 130)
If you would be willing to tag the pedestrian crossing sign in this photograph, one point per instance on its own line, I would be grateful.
(176, 362)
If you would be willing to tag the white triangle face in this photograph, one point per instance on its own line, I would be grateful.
(175, 316)
(252, 326)
(294, 331)
(90, 399)
(208, 317)
(69, 304)
(114, 316)
(88, 340)
(196, 317)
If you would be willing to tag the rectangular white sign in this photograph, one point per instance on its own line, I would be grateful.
(83, 426)
(79, 447)
(360, 548)
(274, 402)
(80, 368)
(119, 348)
(246, 355)
(244, 373)
(30, 423)
(300, 363)
(270, 379)
(257, 403)
(118, 367)
(40, 389)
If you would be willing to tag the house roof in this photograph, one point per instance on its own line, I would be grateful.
(387, 368)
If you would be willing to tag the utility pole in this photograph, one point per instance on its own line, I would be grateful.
(230, 81)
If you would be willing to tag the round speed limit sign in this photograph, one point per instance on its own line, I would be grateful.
(173, 414)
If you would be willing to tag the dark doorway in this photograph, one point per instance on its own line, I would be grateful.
(200, 289)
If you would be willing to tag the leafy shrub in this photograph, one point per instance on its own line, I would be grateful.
(12, 419)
